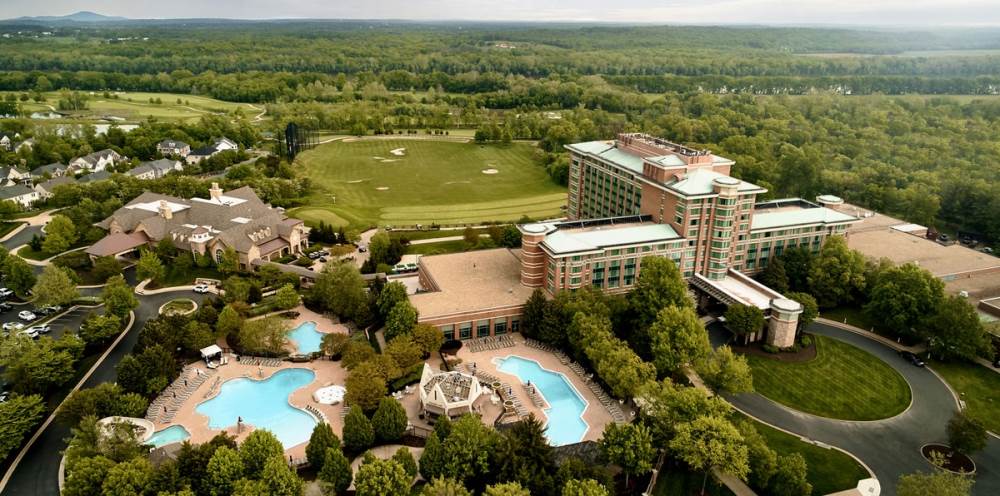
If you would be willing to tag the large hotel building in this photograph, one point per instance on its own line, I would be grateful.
(630, 198)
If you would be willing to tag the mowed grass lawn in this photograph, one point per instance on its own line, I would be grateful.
(191, 108)
(978, 386)
(361, 183)
(842, 382)
(829, 470)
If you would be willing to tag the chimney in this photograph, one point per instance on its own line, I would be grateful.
(216, 192)
(165, 211)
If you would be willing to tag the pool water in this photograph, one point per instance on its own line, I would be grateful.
(170, 435)
(306, 338)
(264, 405)
(566, 406)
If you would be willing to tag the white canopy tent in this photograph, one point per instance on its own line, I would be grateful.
(210, 352)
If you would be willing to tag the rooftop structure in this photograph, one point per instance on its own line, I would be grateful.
(448, 393)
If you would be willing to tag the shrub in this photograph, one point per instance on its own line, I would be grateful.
(806, 340)
(770, 348)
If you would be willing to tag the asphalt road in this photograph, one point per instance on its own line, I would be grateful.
(889, 447)
(37, 474)
(23, 237)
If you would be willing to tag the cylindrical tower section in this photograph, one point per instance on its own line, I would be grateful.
(720, 245)
(532, 256)
(783, 322)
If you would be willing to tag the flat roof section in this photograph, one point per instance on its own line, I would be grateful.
(738, 288)
(793, 213)
(469, 282)
(591, 238)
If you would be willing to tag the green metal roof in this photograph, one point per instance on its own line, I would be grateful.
(699, 182)
(798, 217)
(571, 241)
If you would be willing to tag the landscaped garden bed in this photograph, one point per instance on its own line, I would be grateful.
(179, 306)
(950, 459)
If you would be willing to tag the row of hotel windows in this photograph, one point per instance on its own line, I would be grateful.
(481, 327)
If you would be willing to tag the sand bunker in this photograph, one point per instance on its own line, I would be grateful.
(490, 171)
(457, 182)
(389, 160)
(356, 181)
(382, 188)
(399, 152)
(378, 158)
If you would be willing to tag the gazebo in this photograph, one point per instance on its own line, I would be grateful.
(448, 393)
(210, 353)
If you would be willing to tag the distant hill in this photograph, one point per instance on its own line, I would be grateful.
(82, 16)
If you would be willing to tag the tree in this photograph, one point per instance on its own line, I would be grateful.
(404, 352)
(60, 234)
(223, 470)
(404, 458)
(365, 386)
(280, 478)
(336, 472)
(470, 236)
(334, 344)
(391, 294)
(286, 297)
(229, 321)
(708, 442)
(54, 287)
(389, 421)
(105, 267)
(744, 320)
(229, 261)
(441, 486)
(678, 337)
(586, 487)
(402, 318)
(20, 276)
(341, 290)
(357, 352)
(774, 275)
(533, 313)
(525, 456)
(119, 298)
(658, 286)
(506, 489)
(838, 273)
(726, 371)
(427, 338)
(936, 483)
(763, 460)
(358, 431)
(18, 416)
(810, 309)
(263, 336)
(127, 478)
(37, 366)
(790, 478)
(956, 332)
(432, 459)
(630, 446)
(104, 400)
(259, 447)
(966, 434)
(87, 476)
(381, 478)
(904, 297)
(321, 439)
(468, 450)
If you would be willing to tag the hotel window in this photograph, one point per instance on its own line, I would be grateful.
(575, 281)
(576, 269)
(515, 325)
(448, 331)
(499, 327)
(482, 328)
(465, 330)
(630, 251)
(647, 248)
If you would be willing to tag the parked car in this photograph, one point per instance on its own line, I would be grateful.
(912, 358)
(46, 310)
(201, 288)
(40, 329)
(322, 259)
(12, 326)
(26, 315)
(28, 333)
(5, 307)
(4, 292)
(943, 237)
(313, 255)
(324, 252)
(362, 248)
(987, 250)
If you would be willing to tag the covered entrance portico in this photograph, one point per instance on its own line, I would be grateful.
(780, 313)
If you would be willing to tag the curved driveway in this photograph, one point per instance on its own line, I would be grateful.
(889, 447)
(36, 475)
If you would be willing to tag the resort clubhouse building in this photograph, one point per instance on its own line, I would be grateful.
(634, 197)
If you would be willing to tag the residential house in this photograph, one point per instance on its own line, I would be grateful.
(20, 194)
(53, 170)
(220, 145)
(236, 219)
(173, 147)
(93, 177)
(10, 176)
(155, 169)
(45, 189)
(7, 140)
(95, 162)
(27, 144)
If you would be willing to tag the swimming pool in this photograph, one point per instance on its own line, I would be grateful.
(306, 338)
(172, 434)
(264, 405)
(566, 406)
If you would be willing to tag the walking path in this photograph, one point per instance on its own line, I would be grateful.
(889, 447)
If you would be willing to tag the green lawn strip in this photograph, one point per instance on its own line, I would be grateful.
(29, 253)
(829, 470)
(6, 227)
(179, 305)
(678, 481)
(842, 382)
(978, 386)
(421, 235)
(439, 248)
(183, 278)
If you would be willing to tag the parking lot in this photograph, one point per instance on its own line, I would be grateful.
(65, 321)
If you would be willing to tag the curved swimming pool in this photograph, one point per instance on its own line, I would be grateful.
(566, 406)
(306, 338)
(264, 405)
(170, 435)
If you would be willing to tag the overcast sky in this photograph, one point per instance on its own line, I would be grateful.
(869, 12)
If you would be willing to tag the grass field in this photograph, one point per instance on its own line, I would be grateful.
(192, 107)
(829, 470)
(361, 183)
(842, 382)
(978, 386)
